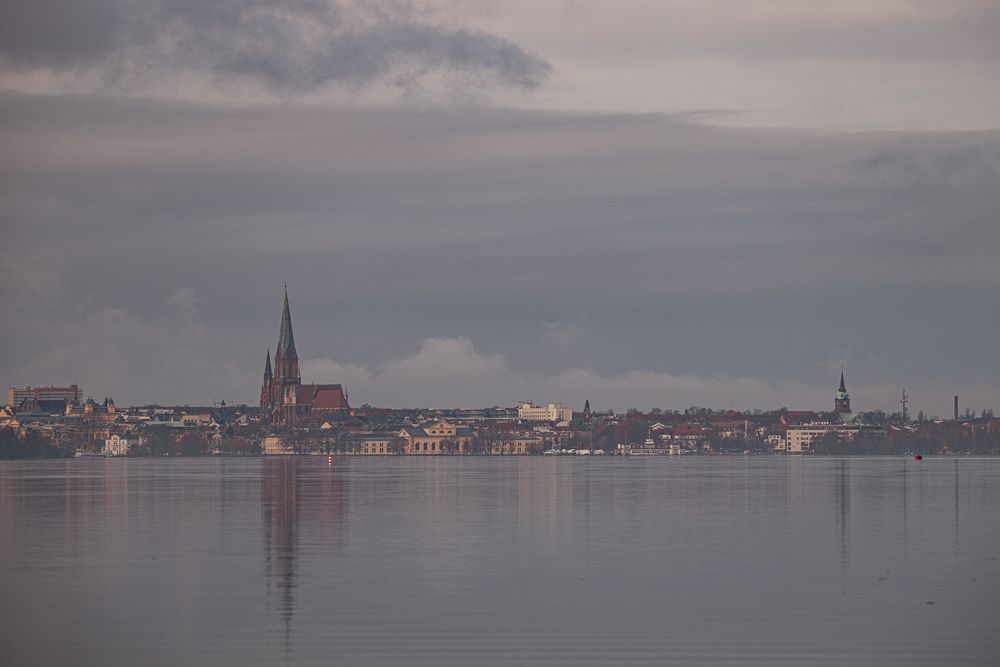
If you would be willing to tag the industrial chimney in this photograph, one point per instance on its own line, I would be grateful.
(956, 408)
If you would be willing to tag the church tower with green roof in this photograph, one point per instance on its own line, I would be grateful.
(284, 400)
(842, 402)
(286, 359)
(279, 389)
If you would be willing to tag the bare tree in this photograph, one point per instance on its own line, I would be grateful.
(397, 445)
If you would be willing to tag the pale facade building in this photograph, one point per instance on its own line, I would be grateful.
(196, 419)
(800, 439)
(776, 441)
(374, 444)
(553, 412)
(439, 437)
(119, 445)
(275, 445)
(519, 445)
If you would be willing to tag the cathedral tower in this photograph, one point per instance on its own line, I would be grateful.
(265, 387)
(284, 400)
(842, 402)
(286, 359)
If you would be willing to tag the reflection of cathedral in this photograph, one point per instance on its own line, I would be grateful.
(299, 510)
(280, 518)
(283, 397)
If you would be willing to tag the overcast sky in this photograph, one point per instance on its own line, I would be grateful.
(648, 204)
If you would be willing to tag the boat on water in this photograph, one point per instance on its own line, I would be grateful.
(649, 448)
(79, 454)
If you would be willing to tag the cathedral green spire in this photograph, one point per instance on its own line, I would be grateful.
(286, 340)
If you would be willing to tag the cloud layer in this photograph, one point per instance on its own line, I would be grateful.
(451, 372)
(290, 47)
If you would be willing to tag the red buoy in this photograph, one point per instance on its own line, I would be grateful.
(329, 460)
(918, 457)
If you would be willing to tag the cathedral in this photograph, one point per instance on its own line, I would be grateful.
(284, 400)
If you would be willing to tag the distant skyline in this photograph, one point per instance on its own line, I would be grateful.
(643, 204)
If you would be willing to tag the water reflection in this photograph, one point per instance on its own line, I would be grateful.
(279, 505)
(843, 501)
(905, 465)
(301, 499)
(553, 561)
(957, 542)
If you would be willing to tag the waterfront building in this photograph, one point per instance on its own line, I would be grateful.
(649, 447)
(519, 445)
(553, 412)
(119, 445)
(374, 444)
(274, 445)
(284, 400)
(775, 440)
(800, 439)
(690, 435)
(437, 437)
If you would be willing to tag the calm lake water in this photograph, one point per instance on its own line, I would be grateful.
(500, 561)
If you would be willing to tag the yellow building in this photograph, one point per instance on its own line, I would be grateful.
(800, 439)
(276, 445)
(519, 445)
(438, 437)
(374, 445)
(196, 419)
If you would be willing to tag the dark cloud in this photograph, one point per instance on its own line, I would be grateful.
(292, 46)
(549, 242)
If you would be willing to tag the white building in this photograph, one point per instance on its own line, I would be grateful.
(776, 441)
(553, 412)
(800, 439)
(119, 445)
